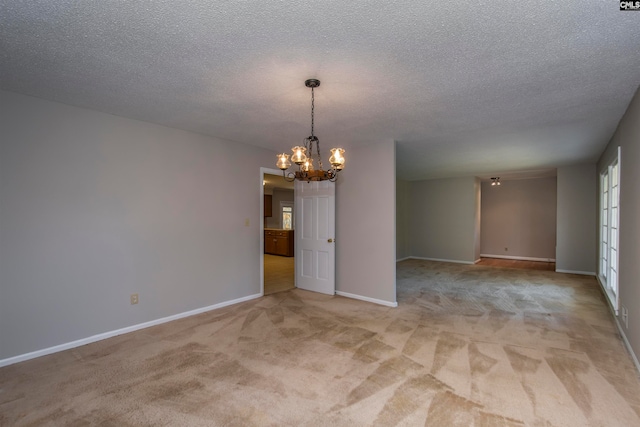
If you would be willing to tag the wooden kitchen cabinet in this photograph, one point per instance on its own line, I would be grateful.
(268, 204)
(278, 242)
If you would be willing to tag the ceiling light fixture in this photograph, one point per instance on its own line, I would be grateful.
(303, 155)
(495, 180)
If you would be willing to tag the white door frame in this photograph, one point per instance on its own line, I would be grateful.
(263, 171)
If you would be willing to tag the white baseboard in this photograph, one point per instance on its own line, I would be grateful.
(456, 261)
(627, 344)
(373, 300)
(614, 313)
(403, 259)
(585, 273)
(99, 337)
(519, 258)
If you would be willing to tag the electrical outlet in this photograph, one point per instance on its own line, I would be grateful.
(506, 249)
(134, 299)
(246, 222)
(625, 317)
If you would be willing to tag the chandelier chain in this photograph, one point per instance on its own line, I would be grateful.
(313, 137)
(312, 109)
(306, 169)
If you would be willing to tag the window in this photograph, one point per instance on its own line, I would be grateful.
(286, 215)
(609, 224)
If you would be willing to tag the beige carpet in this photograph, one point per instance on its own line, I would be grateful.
(468, 346)
(516, 263)
(279, 273)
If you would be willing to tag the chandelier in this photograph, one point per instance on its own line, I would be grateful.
(303, 155)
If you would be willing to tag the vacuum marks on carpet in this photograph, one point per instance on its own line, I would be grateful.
(467, 346)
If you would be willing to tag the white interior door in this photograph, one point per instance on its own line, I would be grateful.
(315, 249)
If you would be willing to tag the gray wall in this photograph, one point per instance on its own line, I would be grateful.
(443, 219)
(95, 207)
(627, 136)
(576, 249)
(402, 218)
(365, 223)
(278, 195)
(519, 215)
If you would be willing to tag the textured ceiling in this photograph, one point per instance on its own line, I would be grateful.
(465, 88)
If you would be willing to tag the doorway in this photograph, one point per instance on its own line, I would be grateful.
(277, 233)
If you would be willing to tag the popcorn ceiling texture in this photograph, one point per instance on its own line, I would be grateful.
(463, 87)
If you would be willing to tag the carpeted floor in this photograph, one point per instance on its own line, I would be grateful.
(515, 263)
(467, 346)
(279, 273)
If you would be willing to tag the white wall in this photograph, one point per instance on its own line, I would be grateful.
(95, 207)
(365, 223)
(403, 211)
(576, 249)
(519, 215)
(443, 219)
(627, 136)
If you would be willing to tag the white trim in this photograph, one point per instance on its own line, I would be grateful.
(403, 259)
(520, 258)
(477, 261)
(627, 344)
(614, 312)
(373, 300)
(607, 297)
(608, 286)
(456, 261)
(263, 171)
(100, 337)
(584, 273)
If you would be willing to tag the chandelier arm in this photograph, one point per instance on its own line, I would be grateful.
(318, 149)
(306, 171)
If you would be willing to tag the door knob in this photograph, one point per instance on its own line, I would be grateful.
(331, 240)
